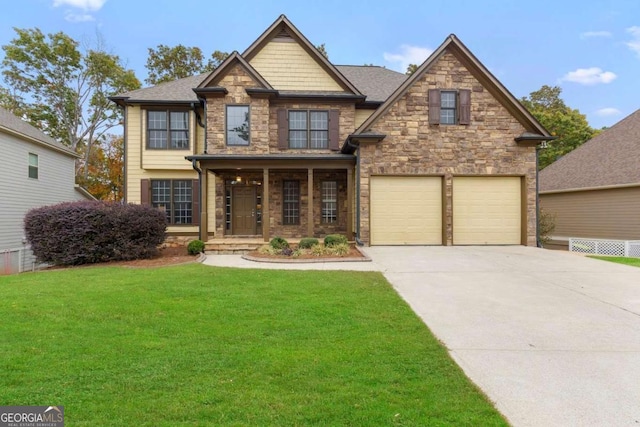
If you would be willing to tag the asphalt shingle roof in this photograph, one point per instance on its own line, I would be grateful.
(609, 159)
(14, 123)
(377, 83)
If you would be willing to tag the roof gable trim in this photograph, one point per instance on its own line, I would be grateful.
(216, 75)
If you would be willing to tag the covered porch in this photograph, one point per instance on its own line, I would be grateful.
(258, 197)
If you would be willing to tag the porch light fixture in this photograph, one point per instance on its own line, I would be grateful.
(238, 178)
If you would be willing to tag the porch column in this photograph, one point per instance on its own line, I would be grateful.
(310, 219)
(265, 204)
(350, 204)
(204, 180)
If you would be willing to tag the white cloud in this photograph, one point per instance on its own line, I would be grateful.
(634, 43)
(609, 111)
(92, 5)
(589, 76)
(74, 17)
(408, 55)
(590, 34)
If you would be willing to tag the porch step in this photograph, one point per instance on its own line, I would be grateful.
(228, 248)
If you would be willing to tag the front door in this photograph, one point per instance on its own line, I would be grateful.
(244, 211)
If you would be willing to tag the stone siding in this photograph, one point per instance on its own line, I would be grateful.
(414, 147)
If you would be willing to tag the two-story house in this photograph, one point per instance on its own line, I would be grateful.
(278, 141)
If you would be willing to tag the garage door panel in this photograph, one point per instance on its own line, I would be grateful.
(486, 210)
(406, 210)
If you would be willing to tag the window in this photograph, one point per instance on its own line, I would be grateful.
(291, 203)
(33, 166)
(174, 197)
(308, 129)
(238, 130)
(329, 201)
(168, 130)
(448, 108)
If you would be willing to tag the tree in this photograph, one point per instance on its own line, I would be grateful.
(62, 89)
(412, 68)
(323, 50)
(166, 64)
(106, 169)
(568, 125)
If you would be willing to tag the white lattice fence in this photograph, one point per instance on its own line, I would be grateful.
(630, 248)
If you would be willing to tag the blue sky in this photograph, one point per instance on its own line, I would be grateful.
(590, 48)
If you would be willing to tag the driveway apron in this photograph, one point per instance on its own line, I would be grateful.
(551, 337)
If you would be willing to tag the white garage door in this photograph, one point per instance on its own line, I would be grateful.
(406, 210)
(486, 211)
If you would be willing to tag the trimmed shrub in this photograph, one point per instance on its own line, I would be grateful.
(335, 239)
(195, 247)
(279, 243)
(308, 242)
(89, 232)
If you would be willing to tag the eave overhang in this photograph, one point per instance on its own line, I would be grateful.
(229, 162)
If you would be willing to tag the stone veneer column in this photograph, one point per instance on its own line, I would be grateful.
(310, 219)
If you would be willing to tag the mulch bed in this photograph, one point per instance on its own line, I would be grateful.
(353, 253)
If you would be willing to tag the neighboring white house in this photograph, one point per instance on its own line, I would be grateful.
(35, 170)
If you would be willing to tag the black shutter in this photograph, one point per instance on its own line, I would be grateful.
(195, 201)
(145, 190)
(283, 129)
(434, 106)
(465, 106)
(334, 130)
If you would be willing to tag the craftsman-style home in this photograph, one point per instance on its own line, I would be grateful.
(278, 141)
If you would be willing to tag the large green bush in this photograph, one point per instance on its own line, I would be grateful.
(89, 232)
(195, 247)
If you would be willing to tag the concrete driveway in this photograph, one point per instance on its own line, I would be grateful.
(552, 338)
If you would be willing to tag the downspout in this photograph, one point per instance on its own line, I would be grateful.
(538, 242)
(124, 153)
(357, 147)
(201, 123)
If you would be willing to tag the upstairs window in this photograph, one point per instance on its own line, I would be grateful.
(33, 166)
(308, 129)
(449, 107)
(238, 130)
(168, 130)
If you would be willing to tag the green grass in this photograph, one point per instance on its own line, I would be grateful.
(198, 346)
(635, 262)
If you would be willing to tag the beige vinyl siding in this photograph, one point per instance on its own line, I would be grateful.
(287, 66)
(166, 159)
(362, 115)
(135, 172)
(606, 214)
(406, 210)
(487, 211)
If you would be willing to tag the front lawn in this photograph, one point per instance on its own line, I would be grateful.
(635, 262)
(196, 345)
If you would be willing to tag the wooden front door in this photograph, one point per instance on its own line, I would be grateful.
(243, 211)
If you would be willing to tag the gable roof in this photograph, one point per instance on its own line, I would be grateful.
(223, 68)
(480, 72)
(282, 24)
(12, 124)
(180, 90)
(609, 159)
